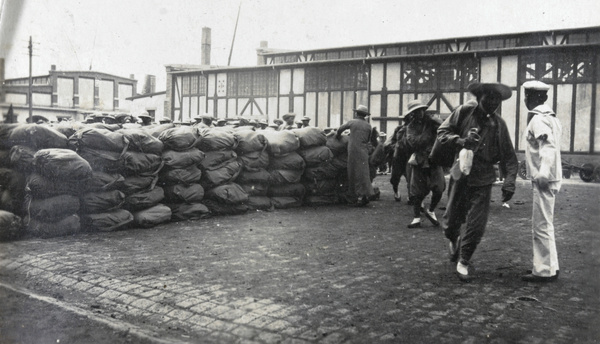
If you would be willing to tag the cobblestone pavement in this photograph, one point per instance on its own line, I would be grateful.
(331, 274)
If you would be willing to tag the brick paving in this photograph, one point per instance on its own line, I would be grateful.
(327, 275)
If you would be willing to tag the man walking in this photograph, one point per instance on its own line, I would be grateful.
(425, 176)
(542, 155)
(469, 196)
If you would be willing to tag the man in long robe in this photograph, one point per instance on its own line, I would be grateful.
(359, 181)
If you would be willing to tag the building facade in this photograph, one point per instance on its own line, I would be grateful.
(326, 84)
(68, 94)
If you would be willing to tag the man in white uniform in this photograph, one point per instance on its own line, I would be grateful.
(544, 168)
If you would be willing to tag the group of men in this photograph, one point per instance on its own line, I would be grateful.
(423, 145)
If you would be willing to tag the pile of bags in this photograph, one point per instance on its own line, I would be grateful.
(106, 177)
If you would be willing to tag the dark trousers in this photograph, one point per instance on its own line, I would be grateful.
(399, 169)
(470, 205)
(424, 180)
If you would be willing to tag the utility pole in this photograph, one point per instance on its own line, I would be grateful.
(30, 82)
(234, 31)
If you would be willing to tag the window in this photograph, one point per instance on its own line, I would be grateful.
(272, 84)
(259, 83)
(194, 82)
(360, 53)
(202, 85)
(232, 84)
(334, 55)
(320, 56)
(346, 54)
(419, 76)
(336, 77)
(186, 85)
(245, 84)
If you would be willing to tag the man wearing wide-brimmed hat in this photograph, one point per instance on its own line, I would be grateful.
(305, 121)
(288, 124)
(145, 118)
(359, 178)
(425, 176)
(475, 126)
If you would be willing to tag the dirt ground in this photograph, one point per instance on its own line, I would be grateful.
(341, 274)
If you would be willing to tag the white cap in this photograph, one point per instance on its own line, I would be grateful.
(535, 85)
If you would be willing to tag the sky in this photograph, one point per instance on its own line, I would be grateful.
(124, 37)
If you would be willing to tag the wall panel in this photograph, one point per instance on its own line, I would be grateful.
(86, 93)
(508, 73)
(64, 93)
(393, 77)
(583, 112)
(564, 100)
(376, 77)
(299, 106)
(489, 69)
(322, 107)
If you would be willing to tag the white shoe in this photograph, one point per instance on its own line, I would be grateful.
(431, 217)
(416, 223)
(463, 272)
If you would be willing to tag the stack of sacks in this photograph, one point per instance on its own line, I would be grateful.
(320, 177)
(254, 158)
(286, 167)
(15, 165)
(53, 200)
(145, 204)
(12, 186)
(180, 176)
(220, 168)
(339, 149)
(53, 178)
(109, 152)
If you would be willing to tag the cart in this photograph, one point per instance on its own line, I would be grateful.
(587, 172)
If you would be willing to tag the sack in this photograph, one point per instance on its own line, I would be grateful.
(254, 161)
(225, 174)
(36, 136)
(281, 142)
(92, 138)
(285, 176)
(286, 202)
(135, 184)
(61, 164)
(213, 139)
(66, 226)
(250, 141)
(465, 159)
(53, 209)
(187, 211)
(101, 202)
(326, 170)
(139, 140)
(338, 147)
(153, 216)
(11, 226)
(291, 161)
(155, 130)
(216, 159)
(107, 222)
(259, 203)
(218, 208)
(188, 175)
(42, 187)
(144, 199)
(310, 136)
(296, 190)
(182, 159)
(255, 189)
(413, 160)
(181, 193)
(230, 193)
(101, 181)
(179, 138)
(21, 158)
(139, 163)
(316, 155)
(261, 176)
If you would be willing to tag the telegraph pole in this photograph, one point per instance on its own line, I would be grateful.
(30, 82)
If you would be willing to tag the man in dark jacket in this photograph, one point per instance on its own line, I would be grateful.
(425, 176)
(400, 157)
(469, 196)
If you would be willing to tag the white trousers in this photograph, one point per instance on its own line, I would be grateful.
(545, 258)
